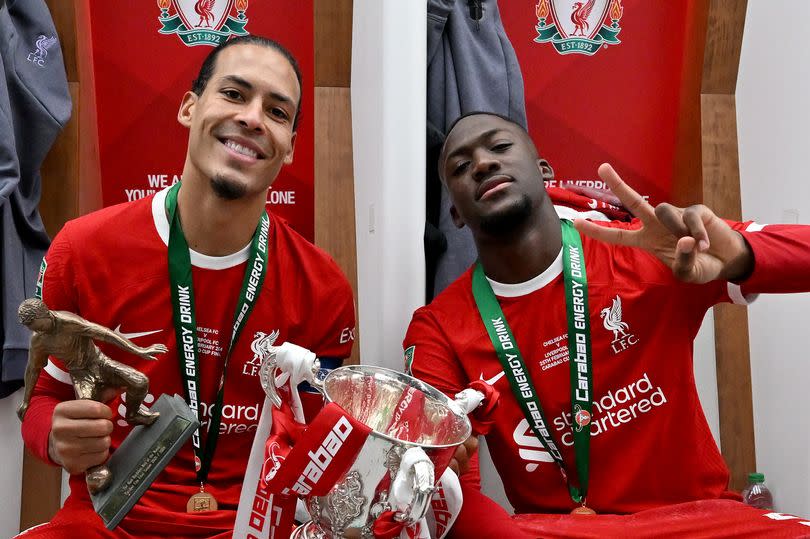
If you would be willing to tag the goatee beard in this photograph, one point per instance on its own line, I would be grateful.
(508, 220)
(227, 189)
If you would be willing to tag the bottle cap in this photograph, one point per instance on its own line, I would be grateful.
(756, 477)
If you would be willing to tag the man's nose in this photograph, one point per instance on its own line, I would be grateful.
(251, 116)
(484, 165)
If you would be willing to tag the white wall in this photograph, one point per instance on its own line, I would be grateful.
(11, 448)
(389, 43)
(773, 118)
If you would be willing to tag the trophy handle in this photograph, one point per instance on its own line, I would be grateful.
(298, 363)
(468, 400)
(416, 471)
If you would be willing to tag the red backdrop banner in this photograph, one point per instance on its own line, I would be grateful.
(615, 81)
(145, 55)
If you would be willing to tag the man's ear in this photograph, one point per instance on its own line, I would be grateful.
(457, 220)
(545, 170)
(186, 111)
(288, 159)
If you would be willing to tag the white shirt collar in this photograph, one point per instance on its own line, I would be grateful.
(197, 259)
(527, 287)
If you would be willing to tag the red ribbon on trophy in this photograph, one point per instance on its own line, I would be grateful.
(407, 422)
(387, 527)
(303, 460)
(481, 418)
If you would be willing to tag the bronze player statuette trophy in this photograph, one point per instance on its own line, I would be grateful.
(71, 338)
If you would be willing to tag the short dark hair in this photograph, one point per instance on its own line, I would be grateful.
(210, 62)
(487, 113)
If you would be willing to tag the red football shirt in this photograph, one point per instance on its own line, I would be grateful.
(110, 267)
(650, 445)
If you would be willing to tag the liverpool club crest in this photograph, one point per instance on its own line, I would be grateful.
(578, 26)
(203, 22)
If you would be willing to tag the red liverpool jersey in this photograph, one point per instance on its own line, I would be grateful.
(650, 443)
(111, 267)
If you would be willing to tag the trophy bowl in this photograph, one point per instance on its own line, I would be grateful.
(402, 413)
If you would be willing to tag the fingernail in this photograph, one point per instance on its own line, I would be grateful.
(703, 245)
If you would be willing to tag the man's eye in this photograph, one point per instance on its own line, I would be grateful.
(460, 168)
(232, 94)
(279, 113)
(502, 147)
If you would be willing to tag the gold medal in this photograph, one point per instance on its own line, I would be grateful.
(201, 502)
(583, 510)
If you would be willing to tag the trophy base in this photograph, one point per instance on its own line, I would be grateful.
(142, 456)
(308, 531)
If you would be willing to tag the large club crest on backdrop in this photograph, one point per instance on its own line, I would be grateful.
(578, 26)
(203, 22)
(136, 90)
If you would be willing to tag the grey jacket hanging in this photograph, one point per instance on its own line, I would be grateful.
(471, 66)
(34, 107)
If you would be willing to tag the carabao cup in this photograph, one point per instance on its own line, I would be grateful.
(374, 396)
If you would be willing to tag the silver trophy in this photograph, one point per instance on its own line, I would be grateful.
(374, 396)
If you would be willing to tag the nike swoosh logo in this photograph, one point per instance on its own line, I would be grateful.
(494, 379)
(135, 335)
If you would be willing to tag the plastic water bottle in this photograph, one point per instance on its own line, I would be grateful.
(756, 494)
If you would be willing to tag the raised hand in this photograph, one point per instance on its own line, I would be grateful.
(696, 244)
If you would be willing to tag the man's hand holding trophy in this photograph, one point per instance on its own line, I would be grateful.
(114, 485)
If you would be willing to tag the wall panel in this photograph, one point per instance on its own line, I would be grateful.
(721, 192)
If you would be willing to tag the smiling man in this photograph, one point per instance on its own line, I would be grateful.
(589, 341)
(204, 269)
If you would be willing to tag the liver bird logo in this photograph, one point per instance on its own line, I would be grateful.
(205, 9)
(578, 26)
(580, 15)
(203, 22)
(272, 463)
(262, 342)
(43, 44)
(612, 319)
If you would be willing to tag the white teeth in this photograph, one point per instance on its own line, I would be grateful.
(238, 148)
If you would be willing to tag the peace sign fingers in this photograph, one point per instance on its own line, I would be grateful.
(631, 200)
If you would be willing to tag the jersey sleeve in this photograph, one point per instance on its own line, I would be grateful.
(480, 516)
(701, 297)
(54, 385)
(336, 316)
(781, 258)
(429, 356)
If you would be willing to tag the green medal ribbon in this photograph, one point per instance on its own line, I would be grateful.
(579, 358)
(185, 324)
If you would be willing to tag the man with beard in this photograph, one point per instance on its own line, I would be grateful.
(202, 268)
(588, 339)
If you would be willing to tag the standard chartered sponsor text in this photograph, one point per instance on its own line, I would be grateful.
(616, 408)
(236, 418)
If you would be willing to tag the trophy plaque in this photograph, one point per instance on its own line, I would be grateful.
(116, 485)
(142, 456)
